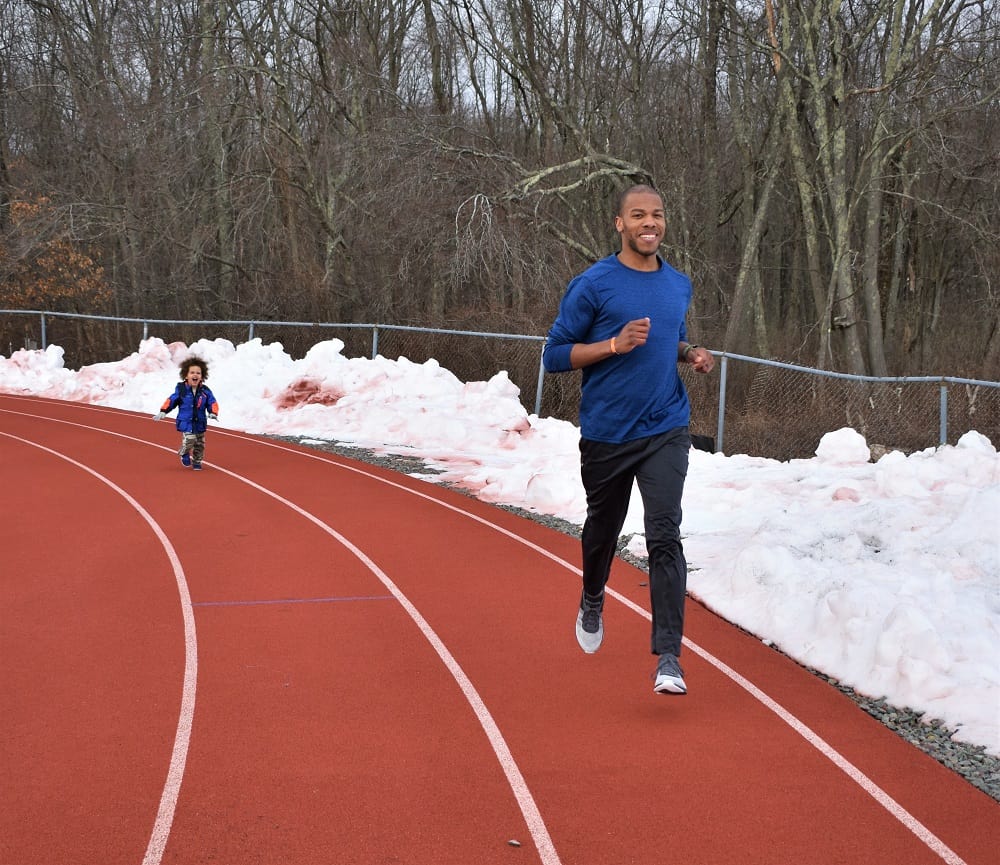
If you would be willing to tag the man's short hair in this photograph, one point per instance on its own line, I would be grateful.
(639, 187)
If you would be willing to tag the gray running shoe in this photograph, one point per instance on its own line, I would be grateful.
(669, 676)
(590, 624)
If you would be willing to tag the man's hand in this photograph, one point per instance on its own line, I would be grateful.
(159, 415)
(213, 416)
(701, 359)
(633, 335)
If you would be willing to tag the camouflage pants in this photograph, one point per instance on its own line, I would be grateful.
(194, 444)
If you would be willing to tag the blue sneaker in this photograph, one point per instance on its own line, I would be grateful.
(196, 467)
(590, 623)
(186, 459)
(669, 676)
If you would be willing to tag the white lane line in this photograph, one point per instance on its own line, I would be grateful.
(182, 737)
(519, 786)
(820, 744)
(526, 802)
(924, 834)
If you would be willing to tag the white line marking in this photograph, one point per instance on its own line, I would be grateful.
(182, 738)
(526, 802)
(924, 834)
(821, 745)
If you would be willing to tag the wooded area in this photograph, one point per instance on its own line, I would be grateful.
(830, 168)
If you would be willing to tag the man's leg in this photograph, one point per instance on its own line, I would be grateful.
(607, 474)
(607, 479)
(661, 482)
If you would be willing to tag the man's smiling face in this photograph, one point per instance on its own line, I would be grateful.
(641, 224)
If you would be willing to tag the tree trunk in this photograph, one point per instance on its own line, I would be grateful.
(871, 258)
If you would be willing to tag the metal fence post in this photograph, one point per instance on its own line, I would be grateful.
(721, 420)
(250, 335)
(45, 344)
(374, 342)
(944, 413)
(539, 385)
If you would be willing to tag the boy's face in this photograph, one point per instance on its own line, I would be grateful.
(193, 378)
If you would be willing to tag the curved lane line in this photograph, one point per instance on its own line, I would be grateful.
(182, 738)
(526, 802)
(928, 838)
(825, 748)
(519, 786)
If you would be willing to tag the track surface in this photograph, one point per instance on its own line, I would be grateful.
(294, 658)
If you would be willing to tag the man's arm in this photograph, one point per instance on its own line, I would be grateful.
(631, 336)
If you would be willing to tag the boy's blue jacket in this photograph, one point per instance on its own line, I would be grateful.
(192, 407)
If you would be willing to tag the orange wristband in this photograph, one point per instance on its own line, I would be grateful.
(613, 349)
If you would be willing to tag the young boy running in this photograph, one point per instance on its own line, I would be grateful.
(195, 403)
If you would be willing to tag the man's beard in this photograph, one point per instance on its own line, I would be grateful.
(635, 248)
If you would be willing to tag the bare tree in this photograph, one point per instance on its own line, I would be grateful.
(829, 167)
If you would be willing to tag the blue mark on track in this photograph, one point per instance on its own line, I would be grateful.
(294, 601)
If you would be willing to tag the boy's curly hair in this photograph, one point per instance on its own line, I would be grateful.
(194, 361)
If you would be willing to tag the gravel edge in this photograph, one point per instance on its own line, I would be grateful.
(971, 762)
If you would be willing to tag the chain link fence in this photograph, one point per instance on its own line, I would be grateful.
(748, 405)
(777, 410)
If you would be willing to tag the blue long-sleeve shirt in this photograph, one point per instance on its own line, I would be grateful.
(639, 393)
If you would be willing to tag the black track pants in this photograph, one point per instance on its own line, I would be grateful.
(658, 465)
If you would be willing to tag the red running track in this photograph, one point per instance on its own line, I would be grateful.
(294, 658)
